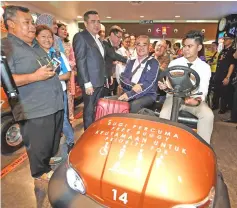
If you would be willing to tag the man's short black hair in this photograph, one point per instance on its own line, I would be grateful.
(86, 15)
(115, 29)
(10, 12)
(216, 43)
(196, 35)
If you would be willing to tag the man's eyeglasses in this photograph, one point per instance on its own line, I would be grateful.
(119, 37)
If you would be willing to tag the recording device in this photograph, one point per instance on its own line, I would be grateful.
(7, 80)
(54, 64)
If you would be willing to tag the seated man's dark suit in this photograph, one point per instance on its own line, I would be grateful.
(90, 68)
(110, 57)
(148, 81)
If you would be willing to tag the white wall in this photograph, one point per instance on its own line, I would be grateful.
(72, 28)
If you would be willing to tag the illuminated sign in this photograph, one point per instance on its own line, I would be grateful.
(161, 30)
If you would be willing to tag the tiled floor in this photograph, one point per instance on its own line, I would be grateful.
(20, 191)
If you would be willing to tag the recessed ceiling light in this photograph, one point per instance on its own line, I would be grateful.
(79, 16)
(109, 17)
(177, 16)
(141, 16)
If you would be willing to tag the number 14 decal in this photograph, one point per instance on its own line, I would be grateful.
(123, 197)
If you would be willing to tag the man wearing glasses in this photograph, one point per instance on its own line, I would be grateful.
(160, 54)
(111, 44)
(164, 60)
(139, 80)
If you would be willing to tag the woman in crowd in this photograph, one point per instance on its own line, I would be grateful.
(124, 52)
(131, 48)
(71, 86)
(50, 21)
(45, 38)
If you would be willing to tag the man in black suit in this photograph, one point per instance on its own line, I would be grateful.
(89, 54)
(111, 44)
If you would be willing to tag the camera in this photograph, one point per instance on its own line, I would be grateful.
(7, 80)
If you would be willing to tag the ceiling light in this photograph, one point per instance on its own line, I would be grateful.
(136, 3)
(79, 16)
(141, 16)
(177, 16)
(109, 17)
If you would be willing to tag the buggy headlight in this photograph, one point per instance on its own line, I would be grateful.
(75, 181)
(205, 203)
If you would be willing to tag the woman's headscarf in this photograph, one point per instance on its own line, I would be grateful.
(47, 19)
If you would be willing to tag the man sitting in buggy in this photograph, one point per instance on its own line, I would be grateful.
(195, 105)
(139, 80)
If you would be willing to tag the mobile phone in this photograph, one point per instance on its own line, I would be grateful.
(54, 64)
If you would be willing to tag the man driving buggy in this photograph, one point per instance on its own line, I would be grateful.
(195, 105)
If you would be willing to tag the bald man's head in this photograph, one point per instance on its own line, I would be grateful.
(160, 48)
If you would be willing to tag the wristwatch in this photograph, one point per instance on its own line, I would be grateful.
(227, 78)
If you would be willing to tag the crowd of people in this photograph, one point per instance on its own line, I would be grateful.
(121, 64)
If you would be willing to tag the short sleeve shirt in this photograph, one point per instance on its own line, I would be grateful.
(225, 59)
(36, 99)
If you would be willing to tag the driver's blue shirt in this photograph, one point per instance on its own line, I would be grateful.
(203, 70)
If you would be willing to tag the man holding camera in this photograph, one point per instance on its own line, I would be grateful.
(39, 109)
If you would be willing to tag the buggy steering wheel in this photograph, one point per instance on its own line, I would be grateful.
(180, 79)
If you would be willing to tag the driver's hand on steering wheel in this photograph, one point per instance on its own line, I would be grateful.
(162, 85)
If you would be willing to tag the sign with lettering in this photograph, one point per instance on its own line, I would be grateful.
(146, 22)
(130, 152)
(144, 139)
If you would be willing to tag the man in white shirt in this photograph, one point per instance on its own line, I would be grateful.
(196, 106)
(124, 52)
(89, 54)
(102, 32)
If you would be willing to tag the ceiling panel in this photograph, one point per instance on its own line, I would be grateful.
(151, 10)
